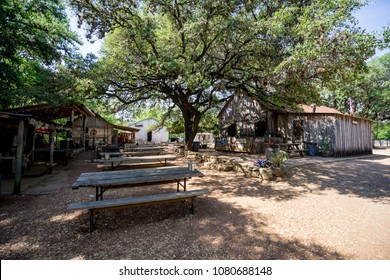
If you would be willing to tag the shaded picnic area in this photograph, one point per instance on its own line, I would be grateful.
(324, 209)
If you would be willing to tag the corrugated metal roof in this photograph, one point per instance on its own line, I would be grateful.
(53, 112)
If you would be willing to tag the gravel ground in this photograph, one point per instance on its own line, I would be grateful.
(333, 210)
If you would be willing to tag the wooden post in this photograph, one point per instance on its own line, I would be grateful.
(83, 132)
(51, 142)
(68, 137)
(19, 158)
(115, 137)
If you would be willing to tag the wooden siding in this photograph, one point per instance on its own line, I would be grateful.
(241, 109)
(353, 136)
(103, 131)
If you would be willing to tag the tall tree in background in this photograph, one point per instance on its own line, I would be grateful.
(35, 44)
(369, 92)
(195, 54)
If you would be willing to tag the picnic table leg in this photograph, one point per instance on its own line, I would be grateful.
(99, 193)
(92, 220)
(184, 185)
(192, 206)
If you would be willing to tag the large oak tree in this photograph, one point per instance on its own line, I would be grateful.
(195, 54)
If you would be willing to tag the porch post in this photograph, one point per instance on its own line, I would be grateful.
(51, 142)
(83, 131)
(68, 136)
(19, 158)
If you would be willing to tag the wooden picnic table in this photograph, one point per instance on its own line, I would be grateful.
(119, 160)
(135, 177)
(292, 147)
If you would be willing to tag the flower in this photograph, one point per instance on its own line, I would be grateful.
(263, 163)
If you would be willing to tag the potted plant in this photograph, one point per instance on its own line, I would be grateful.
(265, 169)
(266, 173)
(277, 160)
(325, 147)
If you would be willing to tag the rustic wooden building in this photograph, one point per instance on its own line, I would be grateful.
(99, 131)
(248, 125)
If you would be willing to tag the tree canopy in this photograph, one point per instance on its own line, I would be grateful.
(195, 54)
(369, 93)
(35, 44)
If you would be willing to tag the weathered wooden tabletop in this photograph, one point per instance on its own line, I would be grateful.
(132, 154)
(139, 159)
(135, 177)
(137, 149)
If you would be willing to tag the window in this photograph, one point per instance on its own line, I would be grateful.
(260, 128)
(298, 130)
(232, 131)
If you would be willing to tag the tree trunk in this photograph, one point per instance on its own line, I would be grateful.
(191, 123)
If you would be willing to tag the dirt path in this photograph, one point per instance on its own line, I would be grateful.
(329, 210)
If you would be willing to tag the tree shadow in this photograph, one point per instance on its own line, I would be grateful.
(366, 178)
(217, 230)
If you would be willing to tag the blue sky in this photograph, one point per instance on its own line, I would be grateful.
(372, 17)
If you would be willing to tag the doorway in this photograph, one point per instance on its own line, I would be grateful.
(149, 136)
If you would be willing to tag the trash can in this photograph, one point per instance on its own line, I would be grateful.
(312, 149)
(195, 146)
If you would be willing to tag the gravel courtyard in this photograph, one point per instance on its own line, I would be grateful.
(328, 210)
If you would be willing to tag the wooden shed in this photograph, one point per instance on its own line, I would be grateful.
(249, 125)
(99, 131)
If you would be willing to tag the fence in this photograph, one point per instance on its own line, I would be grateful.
(382, 143)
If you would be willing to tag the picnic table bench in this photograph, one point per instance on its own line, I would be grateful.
(162, 159)
(103, 181)
(94, 206)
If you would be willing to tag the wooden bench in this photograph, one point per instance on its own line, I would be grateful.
(94, 206)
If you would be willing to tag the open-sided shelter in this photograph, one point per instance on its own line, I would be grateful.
(17, 143)
(31, 134)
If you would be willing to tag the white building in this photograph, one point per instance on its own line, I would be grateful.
(149, 133)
